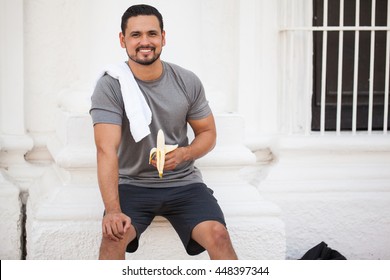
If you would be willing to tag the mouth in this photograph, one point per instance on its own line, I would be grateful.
(145, 50)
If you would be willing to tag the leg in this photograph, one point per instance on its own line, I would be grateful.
(214, 237)
(136, 203)
(115, 250)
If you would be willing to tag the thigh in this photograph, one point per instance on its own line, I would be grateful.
(189, 206)
(192, 202)
(140, 204)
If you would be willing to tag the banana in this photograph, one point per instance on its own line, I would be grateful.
(160, 151)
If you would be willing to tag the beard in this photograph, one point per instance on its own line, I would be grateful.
(144, 60)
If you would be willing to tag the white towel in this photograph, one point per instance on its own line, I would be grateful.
(136, 107)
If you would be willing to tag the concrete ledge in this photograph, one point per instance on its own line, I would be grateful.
(333, 189)
(345, 142)
(63, 240)
(71, 215)
(254, 238)
(11, 220)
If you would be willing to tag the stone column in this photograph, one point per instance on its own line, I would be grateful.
(65, 204)
(14, 143)
(258, 65)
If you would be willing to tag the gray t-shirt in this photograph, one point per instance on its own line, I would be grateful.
(174, 98)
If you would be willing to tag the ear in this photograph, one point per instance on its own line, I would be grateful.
(122, 40)
(163, 38)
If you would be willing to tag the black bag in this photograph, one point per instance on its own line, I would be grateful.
(322, 252)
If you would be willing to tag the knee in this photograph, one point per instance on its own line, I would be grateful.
(214, 237)
(110, 247)
(219, 235)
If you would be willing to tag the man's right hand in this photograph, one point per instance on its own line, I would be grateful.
(115, 225)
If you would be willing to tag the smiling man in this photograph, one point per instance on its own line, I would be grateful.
(132, 191)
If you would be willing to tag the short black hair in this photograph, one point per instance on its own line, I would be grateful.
(141, 10)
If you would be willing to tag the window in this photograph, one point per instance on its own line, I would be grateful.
(349, 57)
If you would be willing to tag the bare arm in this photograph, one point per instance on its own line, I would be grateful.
(107, 140)
(204, 141)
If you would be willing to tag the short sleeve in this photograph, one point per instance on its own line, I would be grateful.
(107, 102)
(199, 106)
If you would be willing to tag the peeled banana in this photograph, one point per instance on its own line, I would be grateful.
(160, 151)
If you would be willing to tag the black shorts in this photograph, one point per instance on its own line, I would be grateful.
(184, 207)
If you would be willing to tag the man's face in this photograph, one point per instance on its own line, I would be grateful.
(143, 39)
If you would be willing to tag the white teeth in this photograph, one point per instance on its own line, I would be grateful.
(160, 152)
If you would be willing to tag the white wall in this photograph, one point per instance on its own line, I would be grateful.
(67, 42)
(231, 45)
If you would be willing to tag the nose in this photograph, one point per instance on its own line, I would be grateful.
(144, 40)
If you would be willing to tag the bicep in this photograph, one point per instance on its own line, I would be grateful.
(107, 137)
(206, 124)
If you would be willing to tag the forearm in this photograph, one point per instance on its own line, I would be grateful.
(203, 143)
(108, 180)
(205, 138)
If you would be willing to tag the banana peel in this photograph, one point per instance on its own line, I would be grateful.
(160, 151)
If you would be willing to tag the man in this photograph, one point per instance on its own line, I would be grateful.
(175, 97)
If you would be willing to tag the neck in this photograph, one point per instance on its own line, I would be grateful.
(146, 72)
